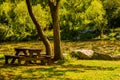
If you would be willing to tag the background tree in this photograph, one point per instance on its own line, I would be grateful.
(112, 12)
(95, 17)
(76, 17)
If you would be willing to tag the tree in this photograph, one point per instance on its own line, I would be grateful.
(112, 8)
(39, 29)
(95, 16)
(54, 7)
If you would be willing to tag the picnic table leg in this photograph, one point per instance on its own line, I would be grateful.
(6, 60)
(13, 60)
(49, 61)
(42, 62)
(19, 61)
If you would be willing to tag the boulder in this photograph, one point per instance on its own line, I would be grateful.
(101, 56)
(83, 53)
(90, 54)
(116, 57)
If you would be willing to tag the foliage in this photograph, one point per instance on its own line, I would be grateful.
(112, 12)
(71, 17)
(82, 15)
(95, 16)
(42, 15)
(4, 10)
(74, 16)
(3, 32)
(69, 58)
(16, 18)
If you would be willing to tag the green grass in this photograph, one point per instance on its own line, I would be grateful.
(75, 70)
(70, 70)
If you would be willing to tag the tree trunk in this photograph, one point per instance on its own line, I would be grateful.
(39, 29)
(57, 41)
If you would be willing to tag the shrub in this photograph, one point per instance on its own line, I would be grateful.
(3, 32)
(69, 58)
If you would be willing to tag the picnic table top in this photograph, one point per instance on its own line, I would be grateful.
(26, 48)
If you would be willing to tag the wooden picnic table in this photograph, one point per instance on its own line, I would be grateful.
(27, 51)
(28, 55)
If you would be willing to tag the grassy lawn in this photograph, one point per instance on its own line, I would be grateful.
(74, 70)
(70, 70)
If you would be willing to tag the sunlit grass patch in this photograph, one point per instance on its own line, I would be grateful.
(76, 70)
(1, 58)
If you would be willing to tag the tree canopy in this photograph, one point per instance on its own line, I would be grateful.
(74, 16)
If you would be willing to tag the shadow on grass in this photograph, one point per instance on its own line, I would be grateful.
(1, 58)
(2, 65)
(86, 67)
(43, 74)
(54, 71)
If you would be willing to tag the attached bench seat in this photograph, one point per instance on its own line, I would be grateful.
(13, 58)
(44, 59)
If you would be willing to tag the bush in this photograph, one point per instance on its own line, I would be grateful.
(114, 36)
(75, 55)
(79, 35)
(3, 32)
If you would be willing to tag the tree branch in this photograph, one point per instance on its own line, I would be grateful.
(57, 3)
(39, 29)
(33, 17)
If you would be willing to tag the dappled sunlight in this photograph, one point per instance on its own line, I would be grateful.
(71, 70)
(109, 47)
(68, 70)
